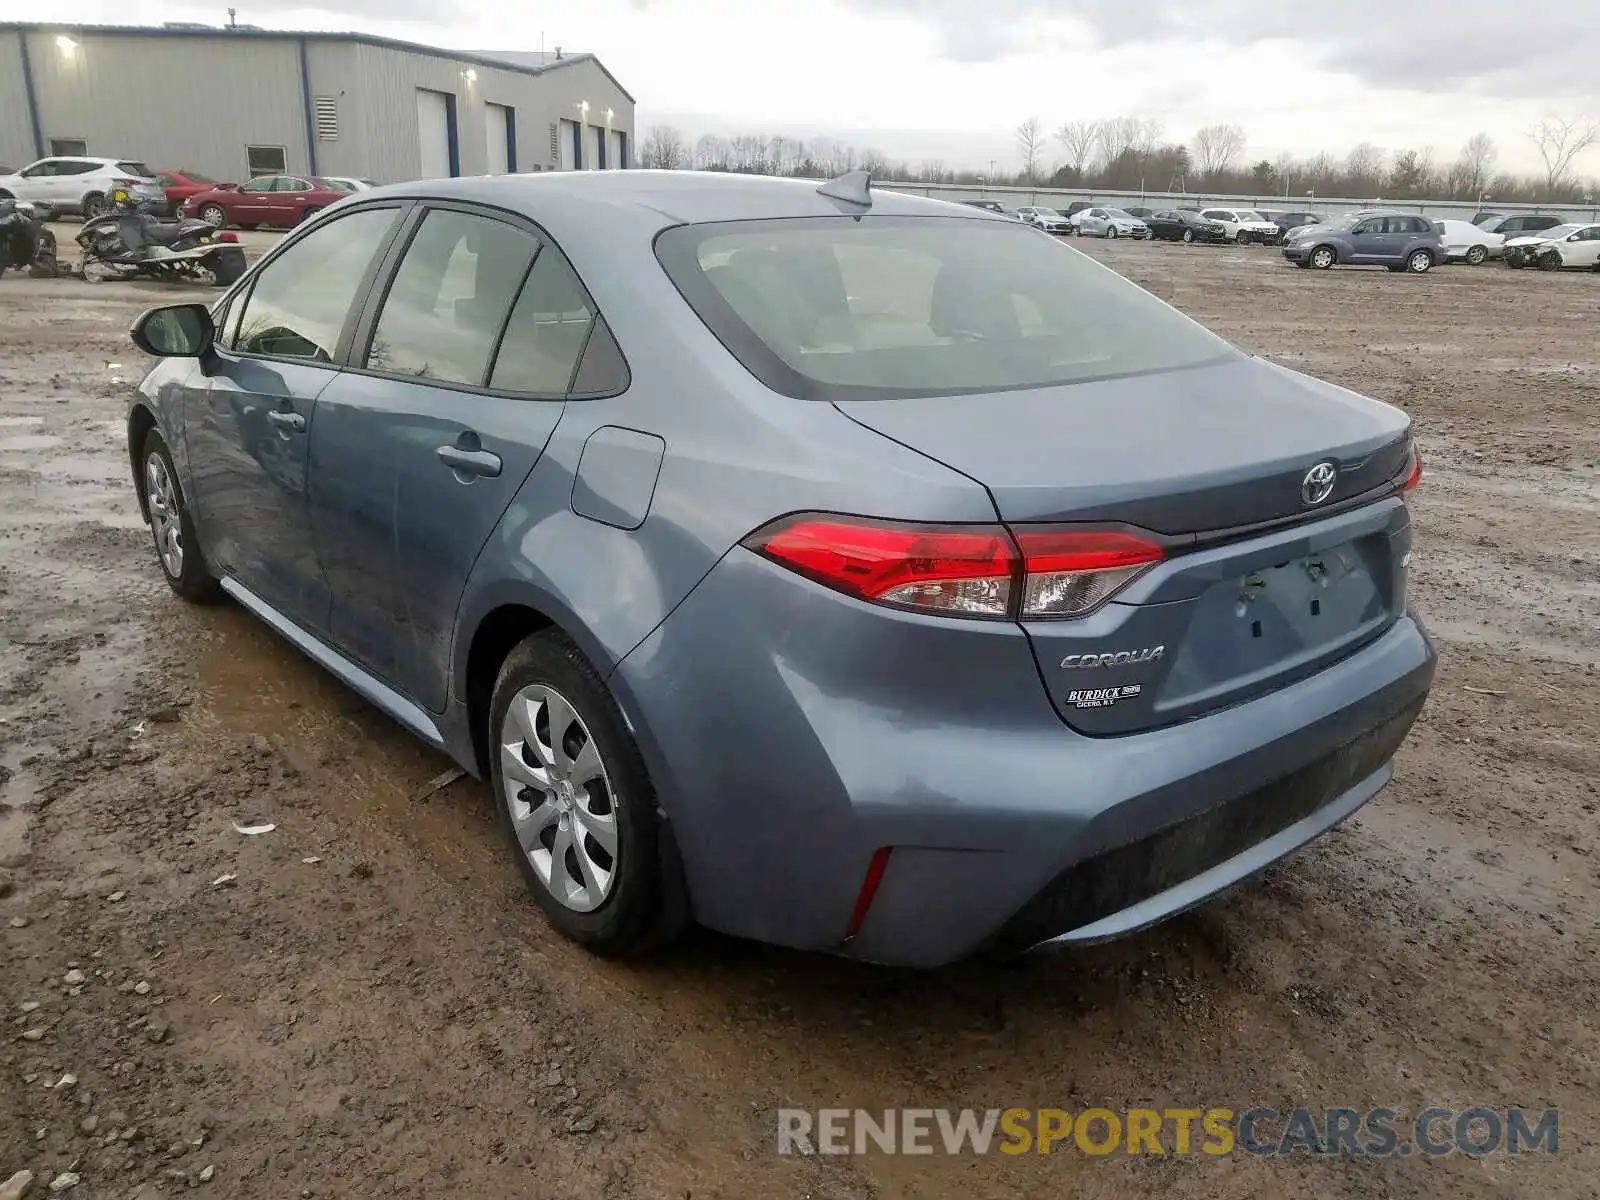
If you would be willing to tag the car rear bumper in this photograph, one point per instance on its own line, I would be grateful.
(793, 732)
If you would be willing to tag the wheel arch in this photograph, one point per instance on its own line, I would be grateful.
(140, 422)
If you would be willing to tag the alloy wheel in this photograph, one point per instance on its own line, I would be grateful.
(213, 216)
(559, 797)
(1476, 255)
(166, 521)
(1322, 259)
(1420, 262)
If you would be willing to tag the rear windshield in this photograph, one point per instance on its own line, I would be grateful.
(839, 308)
(135, 168)
(196, 177)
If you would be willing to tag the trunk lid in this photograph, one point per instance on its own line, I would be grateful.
(1259, 588)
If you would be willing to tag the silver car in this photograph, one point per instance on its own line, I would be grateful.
(833, 567)
(1109, 223)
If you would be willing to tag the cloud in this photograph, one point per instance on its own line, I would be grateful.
(436, 11)
(1539, 48)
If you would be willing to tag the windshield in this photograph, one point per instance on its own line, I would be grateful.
(1249, 214)
(838, 308)
(196, 177)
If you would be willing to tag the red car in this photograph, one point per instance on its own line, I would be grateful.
(281, 200)
(180, 185)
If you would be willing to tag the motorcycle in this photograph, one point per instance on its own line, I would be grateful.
(125, 242)
(25, 243)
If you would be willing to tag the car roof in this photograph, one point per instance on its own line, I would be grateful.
(669, 197)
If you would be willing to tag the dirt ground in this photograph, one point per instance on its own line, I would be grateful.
(368, 1005)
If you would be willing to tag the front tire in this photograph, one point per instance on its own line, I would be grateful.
(1111, 231)
(177, 546)
(575, 801)
(1188, 237)
(1477, 255)
(93, 205)
(1324, 257)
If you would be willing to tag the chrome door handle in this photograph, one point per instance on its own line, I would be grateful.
(289, 422)
(470, 462)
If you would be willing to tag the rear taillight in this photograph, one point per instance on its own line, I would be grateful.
(1072, 572)
(961, 570)
(1414, 476)
(231, 238)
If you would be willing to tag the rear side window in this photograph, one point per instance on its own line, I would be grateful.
(548, 330)
(450, 297)
(300, 300)
(837, 308)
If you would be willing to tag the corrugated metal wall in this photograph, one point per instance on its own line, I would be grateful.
(198, 101)
(385, 97)
(173, 102)
(16, 137)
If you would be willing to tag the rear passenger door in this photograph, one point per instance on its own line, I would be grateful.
(456, 383)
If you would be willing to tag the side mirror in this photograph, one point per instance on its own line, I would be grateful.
(175, 331)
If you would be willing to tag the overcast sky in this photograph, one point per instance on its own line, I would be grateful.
(951, 79)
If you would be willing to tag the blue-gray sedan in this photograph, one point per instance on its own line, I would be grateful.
(833, 567)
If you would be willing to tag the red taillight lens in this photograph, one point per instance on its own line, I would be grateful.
(228, 237)
(1415, 476)
(1072, 572)
(960, 570)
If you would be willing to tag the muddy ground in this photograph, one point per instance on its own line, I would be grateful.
(370, 1006)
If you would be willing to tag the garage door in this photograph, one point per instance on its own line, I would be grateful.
(433, 133)
(497, 139)
(615, 159)
(568, 145)
(597, 149)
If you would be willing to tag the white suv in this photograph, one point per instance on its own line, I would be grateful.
(1244, 225)
(81, 185)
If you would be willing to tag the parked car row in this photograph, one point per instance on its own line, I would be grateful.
(82, 186)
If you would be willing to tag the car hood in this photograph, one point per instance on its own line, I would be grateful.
(1527, 239)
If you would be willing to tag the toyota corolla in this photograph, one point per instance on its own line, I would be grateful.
(834, 567)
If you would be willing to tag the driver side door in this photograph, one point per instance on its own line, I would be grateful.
(246, 432)
(42, 182)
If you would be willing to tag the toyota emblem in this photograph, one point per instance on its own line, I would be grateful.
(1317, 486)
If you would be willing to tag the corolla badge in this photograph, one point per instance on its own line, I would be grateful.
(1317, 486)
(1117, 658)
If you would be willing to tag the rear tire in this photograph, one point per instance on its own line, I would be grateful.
(183, 564)
(307, 214)
(1419, 262)
(637, 906)
(214, 215)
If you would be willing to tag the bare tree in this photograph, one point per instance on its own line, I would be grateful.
(1216, 146)
(663, 149)
(1120, 136)
(1078, 139)
(1477, 159)
(1559, 142)
(711, 153)
(1364, 166)
(1030, 144)
(1320, 169)
(1285, 170)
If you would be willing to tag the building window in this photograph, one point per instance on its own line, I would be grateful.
(68, 147)
(266, 160)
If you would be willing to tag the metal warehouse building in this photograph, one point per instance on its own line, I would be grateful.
(232, 103)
